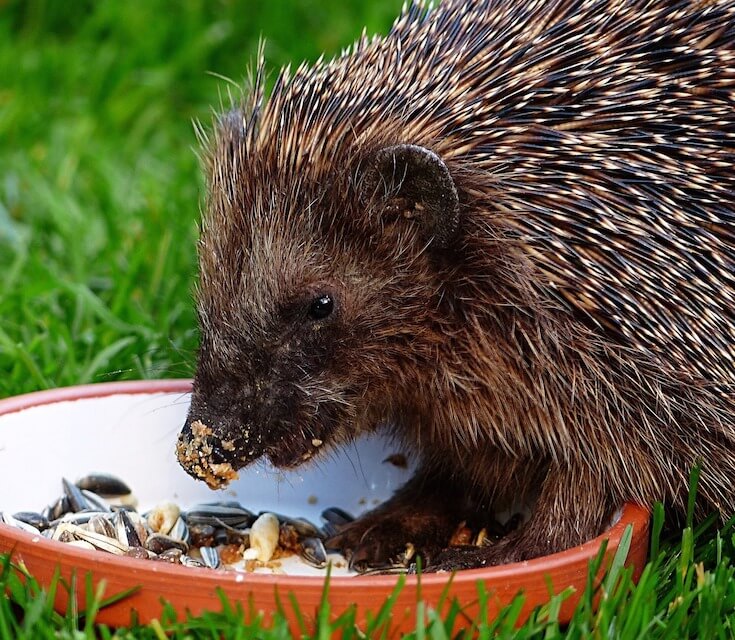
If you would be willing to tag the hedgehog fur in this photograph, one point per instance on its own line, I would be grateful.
(572, 339)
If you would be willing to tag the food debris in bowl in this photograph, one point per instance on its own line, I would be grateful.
(98, 512)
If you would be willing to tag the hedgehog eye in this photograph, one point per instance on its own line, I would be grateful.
(321, 307)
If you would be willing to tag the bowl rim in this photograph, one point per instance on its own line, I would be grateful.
(523, 571)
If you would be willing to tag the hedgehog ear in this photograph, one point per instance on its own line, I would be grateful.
(413, 182)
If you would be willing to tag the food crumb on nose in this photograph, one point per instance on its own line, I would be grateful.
(195, 453)
(200, 430)
(316, 442)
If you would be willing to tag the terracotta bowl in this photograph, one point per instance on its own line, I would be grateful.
(130, 428)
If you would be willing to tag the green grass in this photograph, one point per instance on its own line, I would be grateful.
(99, 197)
(686, 591)
(99, 179)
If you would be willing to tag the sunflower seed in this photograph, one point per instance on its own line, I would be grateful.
(210, 557)
(104, 484)
(314, 553)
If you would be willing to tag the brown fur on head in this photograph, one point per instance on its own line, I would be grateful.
(274, 377)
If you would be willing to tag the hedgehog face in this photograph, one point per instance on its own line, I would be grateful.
(257, 385)
(308, 327)
(268, 379)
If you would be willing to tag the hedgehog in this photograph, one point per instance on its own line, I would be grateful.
(503, 235)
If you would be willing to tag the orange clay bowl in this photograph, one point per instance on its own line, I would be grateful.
(129, 429)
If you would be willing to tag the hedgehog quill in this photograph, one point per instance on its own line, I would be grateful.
(504, 233)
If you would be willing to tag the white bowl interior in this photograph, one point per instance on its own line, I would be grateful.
(133, 436)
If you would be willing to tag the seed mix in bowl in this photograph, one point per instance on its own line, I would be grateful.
(99, 512)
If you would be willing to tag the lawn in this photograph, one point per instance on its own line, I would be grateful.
(100, 190)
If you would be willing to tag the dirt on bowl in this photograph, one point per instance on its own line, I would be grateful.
(130, 428)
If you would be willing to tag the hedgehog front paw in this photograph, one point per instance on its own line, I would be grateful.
(391, 540)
